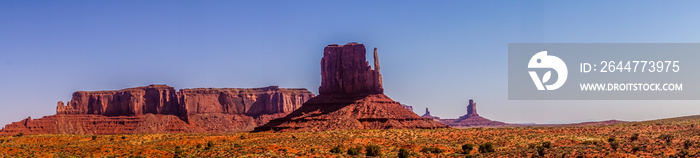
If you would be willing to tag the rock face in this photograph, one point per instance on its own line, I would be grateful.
(471, 110)
(351, 97)
(345, 70)
(154, 99)
(472, 119)
(251, 102)
(407, 107)
(100, 124)
(162, 99)
(427, 115)
(161, 109)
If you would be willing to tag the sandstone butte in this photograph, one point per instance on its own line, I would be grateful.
(471, 119)
(351, 96)
(162, 109)
(427, 115)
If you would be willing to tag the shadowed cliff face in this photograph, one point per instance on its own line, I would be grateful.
(162, 99)
(345, 70)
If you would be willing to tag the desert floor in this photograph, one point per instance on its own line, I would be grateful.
(676, 137)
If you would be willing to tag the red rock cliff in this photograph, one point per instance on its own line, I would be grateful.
(156, 99)
(161, 109)
(251, 102)
(345, 70)
(162, 99)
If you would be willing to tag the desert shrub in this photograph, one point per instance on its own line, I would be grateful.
(94, 137)
(431, 150)
(547, 144)
(666, 137)
(19, 134)
(590, 142)
(467, 148)
(354, 151)
(531, 145)
(682, 153)
(123, 137)
(486, 147)
(198, 146)
(336, 150)
(634, 137)
(178, 152)
(111, 139)
(687, 144)
(237, 145)
(403, 153)
(614, 145)
(611, 139)
(636, 148)
(470, 156)
(373, 150)
(540, 150)
(209, 145)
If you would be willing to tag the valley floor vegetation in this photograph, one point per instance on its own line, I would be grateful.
(676, 137)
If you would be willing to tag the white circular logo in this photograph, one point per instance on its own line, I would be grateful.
(542, 60)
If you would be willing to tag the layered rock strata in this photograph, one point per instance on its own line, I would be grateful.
(351, 97)
(345, 70)
(161, 109)
(162, 99)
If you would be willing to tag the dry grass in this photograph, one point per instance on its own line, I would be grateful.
(589, 141)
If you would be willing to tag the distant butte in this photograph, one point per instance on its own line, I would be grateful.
(472, 119)
(427, 115)
(351, 97)
(161, 109)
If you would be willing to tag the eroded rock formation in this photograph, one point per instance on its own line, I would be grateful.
(154, 99)
(162, 99)
(251, 102)
(351, 97)
(471, 119)
(161, 109)
(407, 107)
(471, 110)
(345, 70)
(100, 124)
(427, 115)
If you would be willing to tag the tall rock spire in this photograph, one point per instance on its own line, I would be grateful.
(427, 114)
(376, 60)
(471, 108)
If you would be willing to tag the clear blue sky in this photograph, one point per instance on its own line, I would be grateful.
(435, 54)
